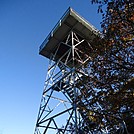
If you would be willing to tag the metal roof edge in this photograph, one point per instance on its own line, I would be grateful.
(73, 13)
(55, 28)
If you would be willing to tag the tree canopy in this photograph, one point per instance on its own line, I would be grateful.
(111, 81)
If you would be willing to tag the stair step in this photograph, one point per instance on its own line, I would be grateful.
(60, 85)
(71, 93)
(69, 90)
(71, 96)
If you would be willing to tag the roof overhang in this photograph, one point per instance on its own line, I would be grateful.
(70, 21)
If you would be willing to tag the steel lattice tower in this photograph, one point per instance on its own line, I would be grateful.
(63, 104)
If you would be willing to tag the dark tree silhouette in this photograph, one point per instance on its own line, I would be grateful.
(111, 81)
(113, 66)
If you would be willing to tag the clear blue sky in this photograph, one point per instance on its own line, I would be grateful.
(24, 24)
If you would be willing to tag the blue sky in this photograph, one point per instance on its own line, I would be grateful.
(24, 24)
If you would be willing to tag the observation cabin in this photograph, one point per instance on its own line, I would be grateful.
(69, 39)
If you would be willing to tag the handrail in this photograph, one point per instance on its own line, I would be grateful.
(52, 31)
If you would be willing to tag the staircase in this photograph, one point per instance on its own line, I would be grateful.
(82, 105)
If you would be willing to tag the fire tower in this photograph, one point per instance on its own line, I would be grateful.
(68, 48)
